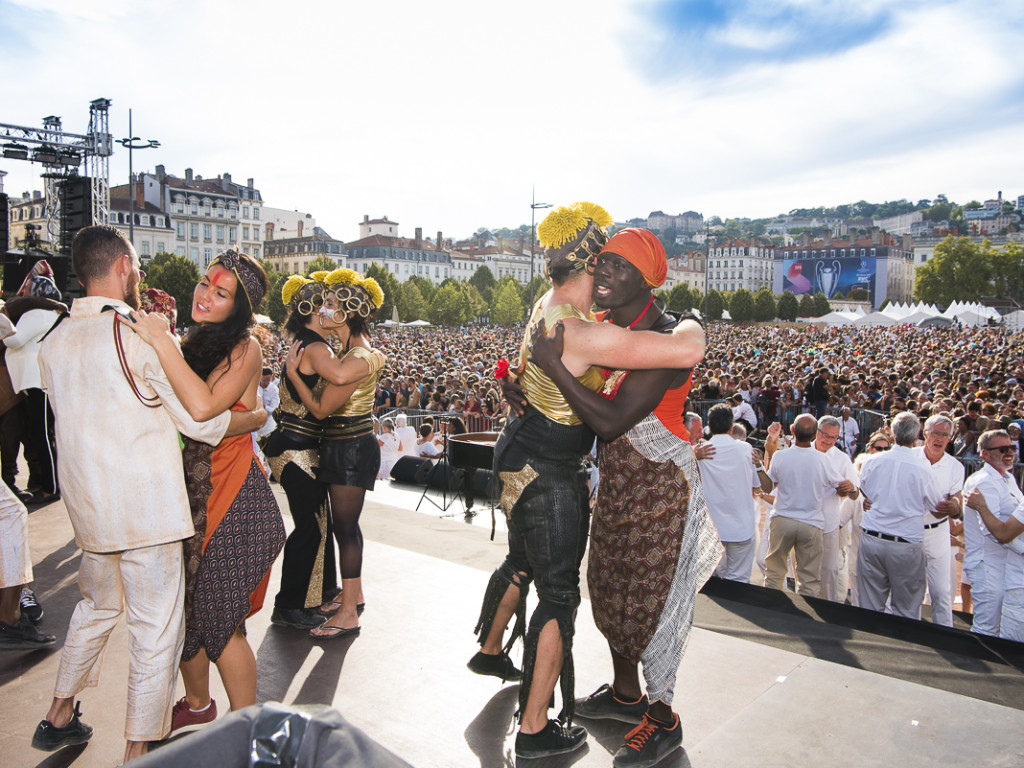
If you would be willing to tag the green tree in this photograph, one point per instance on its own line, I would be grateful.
(389, 285)
(733, 228)
(741, 306)
(478, 307)
(426, 287)
(484, 281)
(959, 270)
(788, 307)
(449, 306)
(411, 304)
(178, 275)
(540, 286)
(807, 306)
(507, 305)
(764, 305)
(858, 294)
(682, 299)
(714, 305)
(323, 264)
(821, 305)
(272, 306)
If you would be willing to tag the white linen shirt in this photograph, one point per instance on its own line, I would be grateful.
(948, 474)
(900, 486)
(727, 480)
(119, 461)
(23, 347)
(839, 466)
(745, 412)
(802, 477)
(1002, 497)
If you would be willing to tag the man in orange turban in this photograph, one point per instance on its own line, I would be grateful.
(643, 250)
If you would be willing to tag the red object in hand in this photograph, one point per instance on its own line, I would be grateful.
(501, 371)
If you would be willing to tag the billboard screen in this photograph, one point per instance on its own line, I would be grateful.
(830, 276)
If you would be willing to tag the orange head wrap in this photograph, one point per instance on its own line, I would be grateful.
(643, 250)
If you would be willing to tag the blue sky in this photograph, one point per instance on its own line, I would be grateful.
(444, 115)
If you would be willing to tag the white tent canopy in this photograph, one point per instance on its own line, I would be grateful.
(876, 318)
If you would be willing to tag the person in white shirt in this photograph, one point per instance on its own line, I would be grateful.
(426, 446)
(984, 556)
(900, 487)
(743, 412)
(1011, 619)
(850, 433)
(728, 479)
(406, 436)
(832, 553)
(802, 476)
(948, 476)
(271, 397)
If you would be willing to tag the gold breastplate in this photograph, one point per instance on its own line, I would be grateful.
(540, 390)
(361, 401)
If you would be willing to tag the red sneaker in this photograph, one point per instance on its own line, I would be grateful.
(183, 717)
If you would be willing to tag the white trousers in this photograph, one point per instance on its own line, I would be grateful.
(1011, 625)
(937, 564)
(737, 561)
(830, 562)
(987, 596)
(150, 584)
(15, 558)
(893, 571)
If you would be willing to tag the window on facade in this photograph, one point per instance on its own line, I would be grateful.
(194, 254)
(180, 250)
(255, 233)
(232, 234)
(193, 231)
(207, 255)
(255, 213)
(234, 212)
(207, 232)
(181, 206)
(144, 248)
(245, 211)
(220, 211)
(256, 251)
(220, 234)
(207, 210)
(160, 247)
(195, 209)
(245, 231)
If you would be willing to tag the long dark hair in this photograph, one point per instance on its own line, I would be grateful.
(207, 346)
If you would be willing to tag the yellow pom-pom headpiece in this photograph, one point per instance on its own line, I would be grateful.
(304, 295)
(319, 276)
(574, 234)
(355, 293)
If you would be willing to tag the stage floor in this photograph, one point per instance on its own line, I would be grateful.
(743, 701)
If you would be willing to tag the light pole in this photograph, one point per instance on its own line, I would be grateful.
(133, 143)
(534, 205)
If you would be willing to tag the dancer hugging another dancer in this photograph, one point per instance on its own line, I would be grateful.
(349, 452)
(239, 530)
(539, 459)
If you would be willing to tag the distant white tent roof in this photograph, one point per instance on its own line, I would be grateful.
(838, 317)
(417, 323)
(876, 318)
(1015, 320)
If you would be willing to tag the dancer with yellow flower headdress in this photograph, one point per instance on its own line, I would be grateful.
(308, 572)
(349, 451)
(539, 459)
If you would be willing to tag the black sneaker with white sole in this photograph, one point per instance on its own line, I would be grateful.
(553, 739)
(30, 606)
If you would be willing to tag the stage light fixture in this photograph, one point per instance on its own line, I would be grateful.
(15, 152)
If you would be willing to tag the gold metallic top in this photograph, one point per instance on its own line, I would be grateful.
(361, 401)
(540, 390)
(289, 405)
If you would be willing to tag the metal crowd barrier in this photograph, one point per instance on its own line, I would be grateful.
(475, 422)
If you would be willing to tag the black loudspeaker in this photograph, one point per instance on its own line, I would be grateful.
(483, 484)
(443, 475)
(411, 469)
(76, 209)
(4, 226)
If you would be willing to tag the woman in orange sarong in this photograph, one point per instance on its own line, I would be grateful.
(238, 527)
